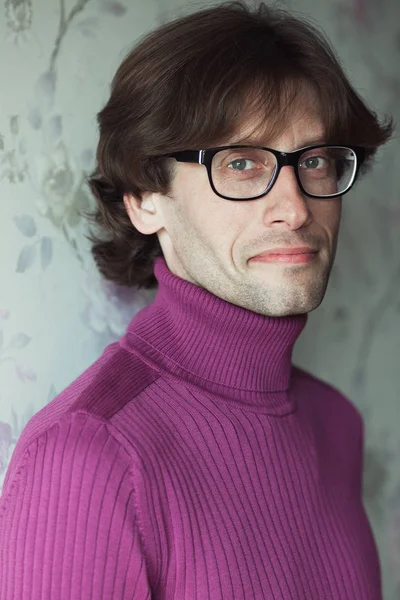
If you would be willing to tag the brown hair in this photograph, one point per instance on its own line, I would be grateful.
(189, 85)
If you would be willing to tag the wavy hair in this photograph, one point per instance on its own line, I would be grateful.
(188, 85)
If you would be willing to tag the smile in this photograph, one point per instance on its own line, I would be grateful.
(286, 255)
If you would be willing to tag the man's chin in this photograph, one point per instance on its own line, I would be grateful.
(282, 312)
(291, 291)
(287, 300)
(293, 310)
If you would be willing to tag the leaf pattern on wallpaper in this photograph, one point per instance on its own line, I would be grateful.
(46, 251)
(18, 15)
(26, 258)
(14, 124)
(45, 89)
(64, 198)
(24, 373)
(63, 26)
(113, 7)
(13, 164)
(88, 27)
(15, 344)
(12, 167)
(19, 341)
(26, 224)
(27, 255)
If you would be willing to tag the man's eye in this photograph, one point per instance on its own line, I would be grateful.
(241, 164)
(314, 162)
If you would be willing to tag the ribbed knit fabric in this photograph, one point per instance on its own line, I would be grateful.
(190, 462)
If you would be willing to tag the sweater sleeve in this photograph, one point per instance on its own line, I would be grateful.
(68, 525)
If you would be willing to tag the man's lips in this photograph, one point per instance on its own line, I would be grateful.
(303, 254)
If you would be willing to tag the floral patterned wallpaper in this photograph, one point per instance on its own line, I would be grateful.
(57, 314)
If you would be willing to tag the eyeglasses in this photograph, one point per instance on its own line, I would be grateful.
(249, 172)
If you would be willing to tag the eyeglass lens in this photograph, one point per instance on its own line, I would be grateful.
(246, 172)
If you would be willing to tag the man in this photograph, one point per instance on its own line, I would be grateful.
(192, 460)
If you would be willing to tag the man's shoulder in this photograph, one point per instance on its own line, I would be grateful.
(119, 378)
(323, 393)
(115, 379)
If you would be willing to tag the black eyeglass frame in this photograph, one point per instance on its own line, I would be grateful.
(283, 159)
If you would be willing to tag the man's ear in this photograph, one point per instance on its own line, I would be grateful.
(144, 212)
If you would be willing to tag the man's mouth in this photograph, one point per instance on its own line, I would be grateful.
(304, 254)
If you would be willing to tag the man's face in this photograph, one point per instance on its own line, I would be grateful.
(213, 242)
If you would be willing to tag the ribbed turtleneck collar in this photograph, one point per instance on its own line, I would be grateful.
(229, 351)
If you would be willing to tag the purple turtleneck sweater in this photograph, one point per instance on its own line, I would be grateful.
(191, 461)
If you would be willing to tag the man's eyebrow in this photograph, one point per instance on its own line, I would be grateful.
(262, 144)
(314, 142)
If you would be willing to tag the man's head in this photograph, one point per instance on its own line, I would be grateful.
(228, 76)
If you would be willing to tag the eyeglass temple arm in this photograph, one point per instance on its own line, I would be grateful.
(190, 156)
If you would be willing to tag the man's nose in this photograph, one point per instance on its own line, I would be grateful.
(285, 205)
